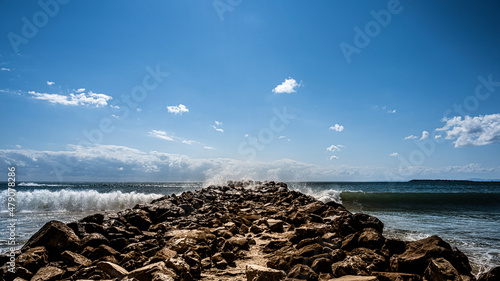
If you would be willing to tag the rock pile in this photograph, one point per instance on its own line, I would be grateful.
(243, 231)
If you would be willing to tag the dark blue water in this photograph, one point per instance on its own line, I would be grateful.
(463, 213)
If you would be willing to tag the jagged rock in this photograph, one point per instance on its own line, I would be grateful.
(162, 277)
(76, 258)
(33, 258)
(418, 254)
(275, 225)
(440, 269)
(93, 240)
(112, 269)
(54, 236)
(48, 273)
(146, 273)
(260, 273)
(370, 238)
(138, 218)
(492, 275)
(396, 276)
(183, 240)
(239, 243)
(351, 265)
(356, 278)
(303, 272)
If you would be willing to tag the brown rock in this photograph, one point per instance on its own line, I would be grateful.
(396, 276)
(112, 269)
(162, 277)
(303, 272)
(33, 258)
(356, 278)
(239, 243)
(310, 250)
(146, 273)
(94, 240)
(260, 273)
(48, 273)
(418, 254)
(492, 275)
(275, 225)
(76, 258)
(163, 254)
(54, 236)
(351, 265)
(370, 238)
(440, 269)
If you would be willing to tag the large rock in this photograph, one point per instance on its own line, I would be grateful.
(54, 236)
(440, 269)
(33, 258)
(303, 272)
(418, 254)
(48, 273)
(356, 278)
(112, 269)
(146, 273)
(260, 273)
(75, 258)
(93, 240)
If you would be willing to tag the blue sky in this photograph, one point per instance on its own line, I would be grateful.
(287, 90)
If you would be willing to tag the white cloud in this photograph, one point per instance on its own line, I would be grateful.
(138, 109)
(97, 100)
(411, 137)
(177, 109)
(218, 123)
(218, 129)
(281, 137)
(394, 154)
(101, 163)
(334, 148)
(81, 90)
(115, 116)
(190, 142)
(337, 127)
(438, 136)
(475, 131)
(209, 148)
(288, 87)
(391, 111)
(160, 134)
(5, 69)
(333, 157)
(247, 135)
(114, 106)
(18, 146)
(425, 135)
(50, 83)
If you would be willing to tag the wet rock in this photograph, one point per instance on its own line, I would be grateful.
(418, 254)
(440, 269)
(94, 240)
(138, 218)
(492, 275)
(54, 236)
(260, 273)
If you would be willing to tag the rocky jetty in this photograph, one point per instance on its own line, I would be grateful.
(242, 231)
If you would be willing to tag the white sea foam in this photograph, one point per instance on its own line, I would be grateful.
(34, 184)
(76, 200)
(324, 195)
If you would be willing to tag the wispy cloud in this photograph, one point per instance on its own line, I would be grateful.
(217, 125)
(5, 69)
(411, 137)
(177, 109)
(289, 86)
(160, 134)
(81, 90)
(87, 99)
(334, 148)
(394, 154)
(333, 157)
(50, 83)
(337, 127)
(472, 131)
(209, 148)
(391, 111)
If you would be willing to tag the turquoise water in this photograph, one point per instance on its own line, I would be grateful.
(463, 213)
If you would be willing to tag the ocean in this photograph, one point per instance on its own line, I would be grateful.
(465, 214)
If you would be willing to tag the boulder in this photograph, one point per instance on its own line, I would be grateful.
(146, 273)
(356, 278)
(303, 272)
(275, 225)
(33, 258)
(54, 236)
(48, 273)
(440, 269)
(260, 273)
(418, 254)
(75, 258)
(93, 240)
(112, 269)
